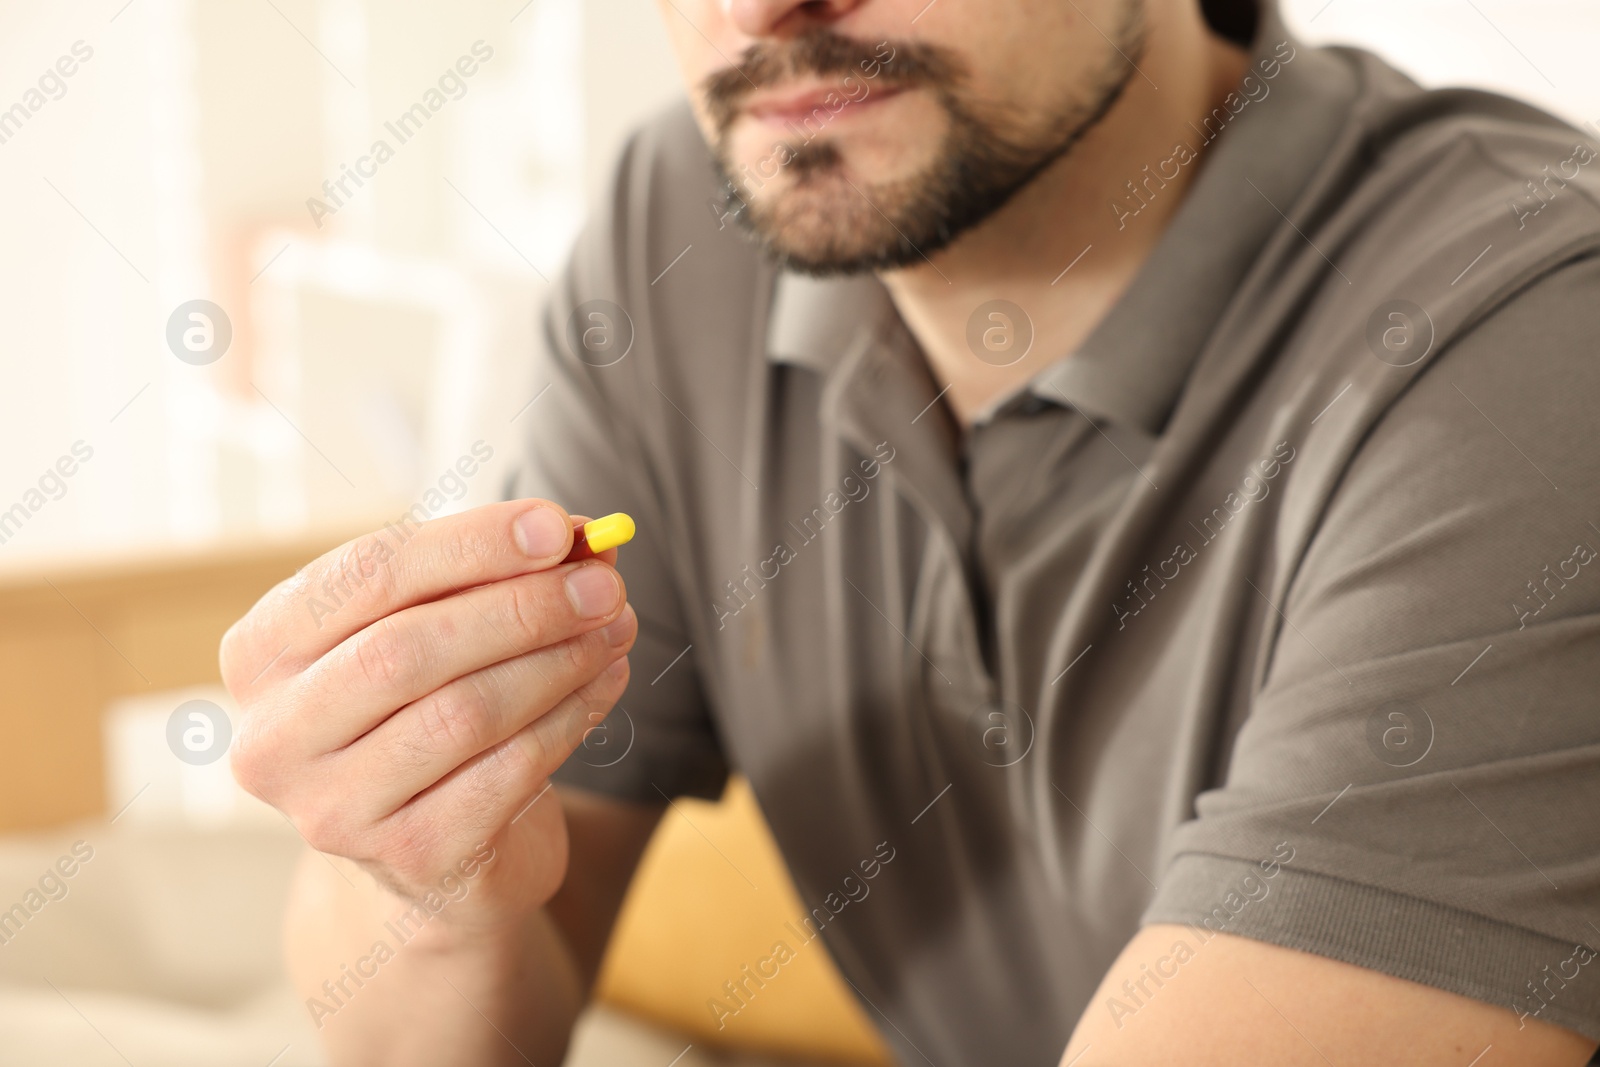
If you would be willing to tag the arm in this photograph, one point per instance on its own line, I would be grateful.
(1231, 1000)
(1437, 817)
(517, 990)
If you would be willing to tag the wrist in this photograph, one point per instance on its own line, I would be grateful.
(481, 938)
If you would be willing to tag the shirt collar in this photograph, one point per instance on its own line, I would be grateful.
(1132, 367)
(814, 322)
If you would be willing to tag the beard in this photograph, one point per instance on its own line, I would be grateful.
(822, 222)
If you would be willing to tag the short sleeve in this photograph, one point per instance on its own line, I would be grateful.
(584, 449)
(1415, 789)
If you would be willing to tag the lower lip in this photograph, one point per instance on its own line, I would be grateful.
(789, 115)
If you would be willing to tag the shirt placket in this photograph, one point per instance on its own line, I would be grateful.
(883, 393)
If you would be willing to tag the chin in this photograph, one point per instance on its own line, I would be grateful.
(825, 207)
(877, 149)
(820, 222)
(822, 226)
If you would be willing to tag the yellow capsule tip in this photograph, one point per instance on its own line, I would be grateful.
(608, 531)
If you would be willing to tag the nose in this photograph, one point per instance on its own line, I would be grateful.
(771, 18)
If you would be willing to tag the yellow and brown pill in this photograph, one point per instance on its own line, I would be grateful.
(597, 535)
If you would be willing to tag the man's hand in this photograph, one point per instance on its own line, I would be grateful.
(1230, 1000)
(405, 703)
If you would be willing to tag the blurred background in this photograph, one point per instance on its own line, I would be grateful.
(216, 363)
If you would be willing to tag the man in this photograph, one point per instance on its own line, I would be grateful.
(1128, 466)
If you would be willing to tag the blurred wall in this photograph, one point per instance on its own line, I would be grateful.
(378, 330)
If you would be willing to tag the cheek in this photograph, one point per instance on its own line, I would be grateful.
(701, 35)
(1038, 60)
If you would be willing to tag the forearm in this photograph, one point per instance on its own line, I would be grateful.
(1181, 994)
(380, 991)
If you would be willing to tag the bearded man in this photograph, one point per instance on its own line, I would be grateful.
(1129, 466)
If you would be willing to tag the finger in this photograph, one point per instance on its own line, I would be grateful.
(488, 793)
(423, 742)
(609, 555)
(406, 656)
(404, 564)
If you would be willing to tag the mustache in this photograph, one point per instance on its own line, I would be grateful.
(823, 53)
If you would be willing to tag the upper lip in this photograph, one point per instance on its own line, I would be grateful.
(796, 102)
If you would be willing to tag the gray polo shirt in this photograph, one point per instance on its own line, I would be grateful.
(1270, 609)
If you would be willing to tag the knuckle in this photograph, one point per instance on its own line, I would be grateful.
(600, 697)
(243, 648)
(457, 718)
(546, 743)
(253, 757)
(468, 549)
(352, 571)
(248, 770)
(521, 761)
(614, 686)
(325, 828)
(575, 659)
(385, 657)
(526, 612)
(229, 654)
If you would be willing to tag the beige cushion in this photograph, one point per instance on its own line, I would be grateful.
(712, 896)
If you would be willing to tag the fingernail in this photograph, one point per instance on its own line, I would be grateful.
(593, 591)
(618, 669)
(541, 532)
(618, 632)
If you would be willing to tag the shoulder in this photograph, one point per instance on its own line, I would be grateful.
(1473, 476)
(1469, 254)
(1438, 374)
(1415, 178)
(1454, 199)
(1447, 232)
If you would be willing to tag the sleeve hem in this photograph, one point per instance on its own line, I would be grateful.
(1406, 937)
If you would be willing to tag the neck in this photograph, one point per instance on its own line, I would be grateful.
(1066, 247)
